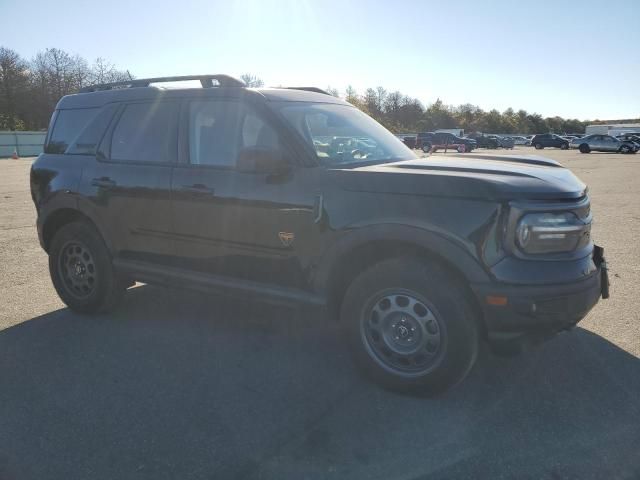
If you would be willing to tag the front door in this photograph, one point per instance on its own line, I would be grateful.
(226, 222)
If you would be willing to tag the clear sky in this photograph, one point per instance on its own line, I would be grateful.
(569, 58)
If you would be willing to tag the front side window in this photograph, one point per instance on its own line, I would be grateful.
(341, 134)
(146, 132)
(68, 125)
(219, 129)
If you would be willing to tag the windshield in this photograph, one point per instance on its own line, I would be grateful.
(341, 134)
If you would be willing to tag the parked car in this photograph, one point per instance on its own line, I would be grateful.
(484, 141)
(434, 141)
(296, 197)
(519, 140)
(503, 142)
(549, 140)
(603, 143)
(408, 140)
(630, 137)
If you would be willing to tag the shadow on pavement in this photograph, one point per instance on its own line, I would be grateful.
(177, 385)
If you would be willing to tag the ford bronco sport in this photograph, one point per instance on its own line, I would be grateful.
(296, 197)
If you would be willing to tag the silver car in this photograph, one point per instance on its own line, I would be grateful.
(504, 142)
(602, 143)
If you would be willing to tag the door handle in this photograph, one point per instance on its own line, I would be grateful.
(197, 188)
(103, 182)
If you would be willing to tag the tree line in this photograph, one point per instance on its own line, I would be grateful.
(401, 113)
(30, 89)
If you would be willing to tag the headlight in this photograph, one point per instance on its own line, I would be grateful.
(552, 232)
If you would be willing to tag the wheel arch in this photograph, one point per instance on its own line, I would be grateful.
(361, 249)
(61, 217)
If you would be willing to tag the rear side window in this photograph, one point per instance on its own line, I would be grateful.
(146, 132)
(67, 127)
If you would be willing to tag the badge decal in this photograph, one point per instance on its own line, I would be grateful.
(286, 238)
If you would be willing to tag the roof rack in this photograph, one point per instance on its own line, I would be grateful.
(310, 89)
(205, 80)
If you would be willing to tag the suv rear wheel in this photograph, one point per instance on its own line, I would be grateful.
(564, 146)
(82, 271)
(426, 147)
(410, 326)
(538, 146)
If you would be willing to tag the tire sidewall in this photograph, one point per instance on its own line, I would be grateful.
(106, 280)
(432, 284)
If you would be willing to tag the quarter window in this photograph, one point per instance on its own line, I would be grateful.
(67, 127)
(87, 142)
(146, 132)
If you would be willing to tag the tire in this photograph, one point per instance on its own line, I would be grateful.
(625, 149)
(400, 301)
(461, 149)
(538, 146)
(426, 147)
(584, 148)
(82, 271)
(564, 146)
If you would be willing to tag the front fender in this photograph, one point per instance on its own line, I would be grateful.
(452, 252)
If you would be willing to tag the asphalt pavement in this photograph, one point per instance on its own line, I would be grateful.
(179, 385)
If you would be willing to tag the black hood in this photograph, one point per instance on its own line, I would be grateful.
(498, 177)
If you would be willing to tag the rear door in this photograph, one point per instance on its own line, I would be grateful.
(129, 183)
(596, 142)
(609, 143)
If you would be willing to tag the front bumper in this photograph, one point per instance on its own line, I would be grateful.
(541, 309)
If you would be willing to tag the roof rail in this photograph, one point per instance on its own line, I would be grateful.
(205, 80)
(310, 89)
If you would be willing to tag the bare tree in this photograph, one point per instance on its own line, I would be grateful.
(350, 95)
(14, 84)
(103, 71)
(332, 91)
(252, 80)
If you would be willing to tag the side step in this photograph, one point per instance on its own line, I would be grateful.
(210, 283)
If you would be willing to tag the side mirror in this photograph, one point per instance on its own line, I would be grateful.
(261, 160)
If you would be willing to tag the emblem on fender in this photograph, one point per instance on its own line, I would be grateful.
(286, 238)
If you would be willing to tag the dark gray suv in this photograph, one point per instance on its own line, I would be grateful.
(296, 197)
(549, 140)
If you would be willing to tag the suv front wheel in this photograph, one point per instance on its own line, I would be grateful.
(82, 271)
(410, 326)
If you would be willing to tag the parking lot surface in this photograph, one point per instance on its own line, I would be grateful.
(182, 385)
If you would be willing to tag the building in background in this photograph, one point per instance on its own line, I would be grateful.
(612, 129)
